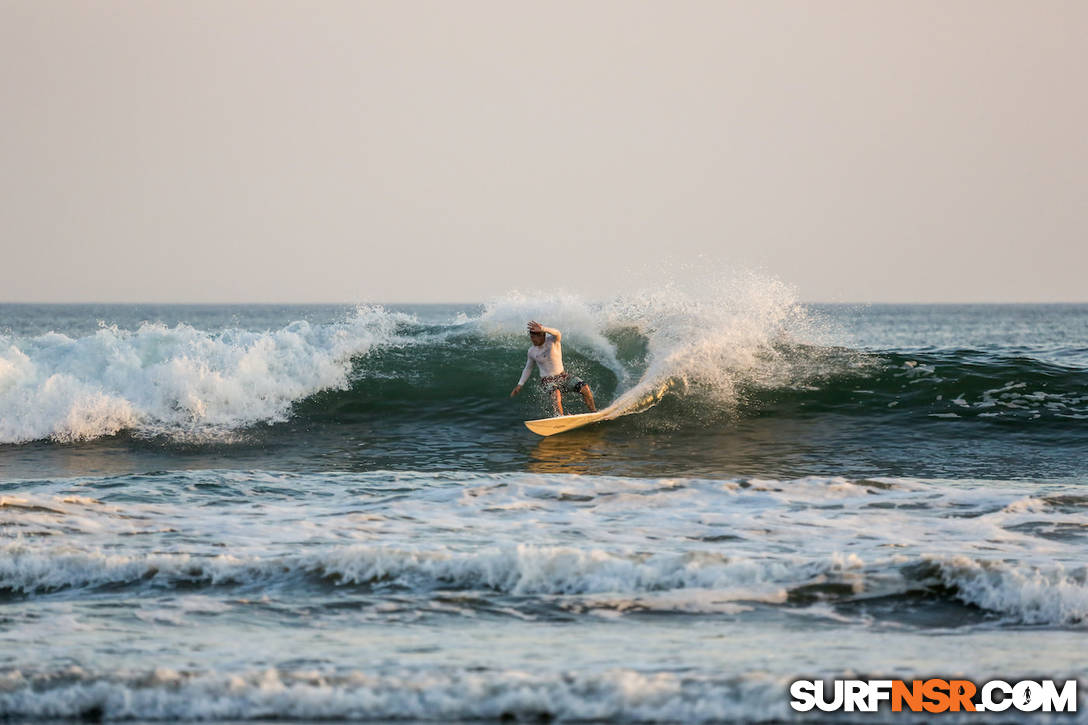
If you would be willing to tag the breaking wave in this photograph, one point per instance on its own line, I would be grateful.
(581, 580)
(742, 346)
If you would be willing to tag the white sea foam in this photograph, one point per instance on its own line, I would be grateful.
(612, 695)
(600, 542)
(619, 694)
(518, 570)
(179, 380)
(576, 578)
(1049, 594)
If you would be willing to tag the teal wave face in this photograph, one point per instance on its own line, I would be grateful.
(470, 376)
(962, 385)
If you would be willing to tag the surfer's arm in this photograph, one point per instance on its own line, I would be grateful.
(524, 375)
(535, 326)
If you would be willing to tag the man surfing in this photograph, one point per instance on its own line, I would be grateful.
(547, 353)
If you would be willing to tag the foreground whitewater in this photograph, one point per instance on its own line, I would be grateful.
(236, 595)
(310, 513)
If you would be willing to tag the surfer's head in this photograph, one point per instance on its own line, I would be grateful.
(537, 337)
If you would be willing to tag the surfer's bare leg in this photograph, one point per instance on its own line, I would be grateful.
(587, 395)
(557, 402)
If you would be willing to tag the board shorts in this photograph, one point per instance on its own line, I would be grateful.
(563, 382)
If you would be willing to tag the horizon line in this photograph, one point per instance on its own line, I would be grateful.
(462, 302)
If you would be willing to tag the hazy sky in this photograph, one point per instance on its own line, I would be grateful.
(302, 151)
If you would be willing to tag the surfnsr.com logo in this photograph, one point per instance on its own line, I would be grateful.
(933, 695)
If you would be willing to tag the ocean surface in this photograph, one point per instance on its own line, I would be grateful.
(334, 512)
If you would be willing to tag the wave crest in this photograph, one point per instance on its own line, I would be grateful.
(178, 381)
(581, 579)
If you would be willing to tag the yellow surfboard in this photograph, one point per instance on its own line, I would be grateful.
(562, 423)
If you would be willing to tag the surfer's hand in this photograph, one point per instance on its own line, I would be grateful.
(515, 391)
(535, 326)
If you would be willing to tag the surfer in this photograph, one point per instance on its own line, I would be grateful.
(547, 353)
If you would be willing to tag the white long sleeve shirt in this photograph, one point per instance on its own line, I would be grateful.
(548, 358)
